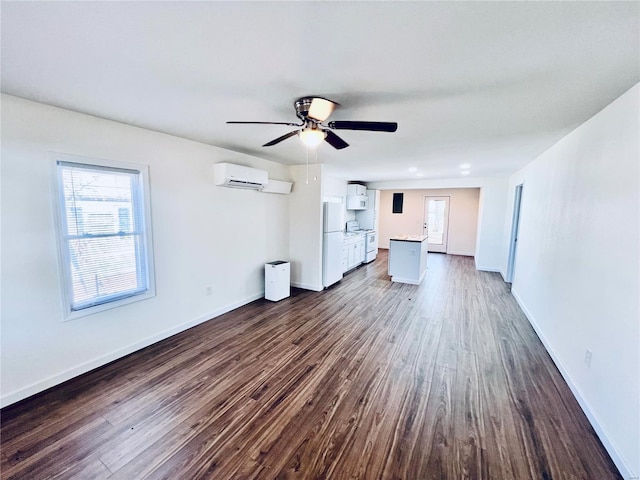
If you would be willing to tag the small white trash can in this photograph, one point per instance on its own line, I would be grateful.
(277, 280)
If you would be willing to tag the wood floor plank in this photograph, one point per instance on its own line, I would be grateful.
(59, 453)
(89, 468)
(439, 427)
(368, 379)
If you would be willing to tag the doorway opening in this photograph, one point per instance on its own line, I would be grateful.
(436, 223)
(515, 227)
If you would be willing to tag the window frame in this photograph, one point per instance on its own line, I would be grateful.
(64, 260)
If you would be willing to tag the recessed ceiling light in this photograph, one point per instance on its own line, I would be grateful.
(413, 169)
(465, 166)
(465, 172)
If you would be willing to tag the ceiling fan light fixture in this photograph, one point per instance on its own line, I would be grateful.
(312, 137)
(320, 109)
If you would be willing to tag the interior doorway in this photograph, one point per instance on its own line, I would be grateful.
(515, 228)
(436, 223)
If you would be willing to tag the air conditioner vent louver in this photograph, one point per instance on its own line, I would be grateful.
(244, 184)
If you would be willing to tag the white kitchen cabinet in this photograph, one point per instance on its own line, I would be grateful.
(354, 252)
(345, 258)
(355, 189)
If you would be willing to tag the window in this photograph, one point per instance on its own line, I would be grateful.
(104, 234)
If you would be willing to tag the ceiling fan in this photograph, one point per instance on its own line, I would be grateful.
(312, 112)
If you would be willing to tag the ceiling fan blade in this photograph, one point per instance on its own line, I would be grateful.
(334, 140)
(321, 108)
(279, 139)
(369, 126)
(270, 123)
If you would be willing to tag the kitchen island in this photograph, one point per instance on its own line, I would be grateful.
(408, 258)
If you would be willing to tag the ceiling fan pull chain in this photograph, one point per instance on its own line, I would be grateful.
(307, 165)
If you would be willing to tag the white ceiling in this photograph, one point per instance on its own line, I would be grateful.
(490, 84)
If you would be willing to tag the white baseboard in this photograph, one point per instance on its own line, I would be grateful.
(625, 471)
(487, 269)
(464, 254)
(410, 281)
(59, 378)
(484, 268)
(307, 286)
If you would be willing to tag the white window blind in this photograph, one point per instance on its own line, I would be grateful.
(103, 234)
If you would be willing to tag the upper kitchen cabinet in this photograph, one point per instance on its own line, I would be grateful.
(356, 189)
(356, 197)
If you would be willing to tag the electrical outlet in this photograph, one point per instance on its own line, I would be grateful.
(587, 358)
(209, 290)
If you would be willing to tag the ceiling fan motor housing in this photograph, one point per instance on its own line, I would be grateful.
(302, 106)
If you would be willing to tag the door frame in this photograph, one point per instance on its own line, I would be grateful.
(515, 229)
(445, 243)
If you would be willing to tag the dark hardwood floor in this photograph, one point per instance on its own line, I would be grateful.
(366, 380)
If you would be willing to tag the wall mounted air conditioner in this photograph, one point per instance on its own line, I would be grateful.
(238, 176)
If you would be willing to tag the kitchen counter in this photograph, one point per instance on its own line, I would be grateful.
(352, 235)
(408, 258)
(409, 238)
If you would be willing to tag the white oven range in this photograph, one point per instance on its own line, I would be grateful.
(371, 246)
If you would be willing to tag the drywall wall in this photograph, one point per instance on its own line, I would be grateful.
(203, 235)
(334, 189)
(305, 227)
(491, 218)
(463, 217)
(491, 211)
(577, 267)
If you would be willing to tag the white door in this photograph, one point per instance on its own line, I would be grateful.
(436, 223)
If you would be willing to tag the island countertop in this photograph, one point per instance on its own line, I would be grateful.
(409, 238)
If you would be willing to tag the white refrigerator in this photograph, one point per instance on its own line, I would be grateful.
(332, 243)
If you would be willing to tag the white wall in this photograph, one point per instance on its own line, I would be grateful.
(491, 212)
(491, 218)
(463, 217)
(203, 235)
(305, 228)
(334, 189)
(577, 267)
